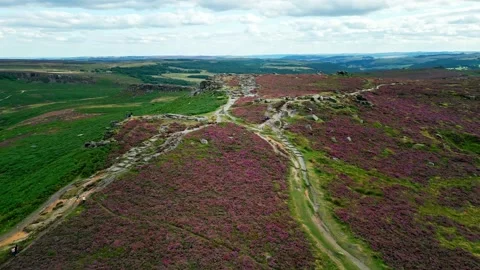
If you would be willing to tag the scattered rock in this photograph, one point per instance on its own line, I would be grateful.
(333, 139)
(349, 139)
(94, 144)
(363, 101)
(46, 77)
(203, 141)
(108, 134)
(115, 169)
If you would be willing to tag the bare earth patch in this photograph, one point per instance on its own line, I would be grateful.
(62, 115)
(163, 99)
(10, 141)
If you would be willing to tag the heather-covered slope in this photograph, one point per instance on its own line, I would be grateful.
(218, 201)
(401, 169)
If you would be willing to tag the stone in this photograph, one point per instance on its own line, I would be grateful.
(203, 141)
(332, 99)
(418, 146)
(333, 139)
(361, 98)
(349, 139)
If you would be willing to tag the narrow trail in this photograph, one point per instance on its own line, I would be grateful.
(299, 166)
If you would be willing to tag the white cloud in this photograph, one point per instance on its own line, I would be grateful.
(253, 30)
(298, 8)
(237, 27)
(269, 7)
(250, 18)
(67, 20)
(91, 4)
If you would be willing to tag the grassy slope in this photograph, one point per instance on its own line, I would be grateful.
(40, 159)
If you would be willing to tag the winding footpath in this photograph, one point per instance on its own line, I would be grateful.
(64, 201)
(299, 166)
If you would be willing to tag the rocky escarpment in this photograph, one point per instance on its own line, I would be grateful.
(138, 89)
(47, 77)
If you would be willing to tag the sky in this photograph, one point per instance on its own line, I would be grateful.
(70, 28)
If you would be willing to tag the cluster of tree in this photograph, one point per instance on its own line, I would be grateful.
(10, 77)
(203, 77)
(239, 66)
(146, 74)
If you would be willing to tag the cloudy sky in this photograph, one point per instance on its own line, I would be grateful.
(57, 28)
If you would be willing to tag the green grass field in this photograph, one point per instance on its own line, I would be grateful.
(37, 160)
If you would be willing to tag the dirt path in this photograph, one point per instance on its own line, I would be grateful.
(300, 173)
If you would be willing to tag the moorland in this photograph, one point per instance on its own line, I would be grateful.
(297, 162)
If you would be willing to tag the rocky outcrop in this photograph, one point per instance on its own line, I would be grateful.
(200, 119)
(211, 84)
(94, 144)
(48, 77)
(214, 83)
